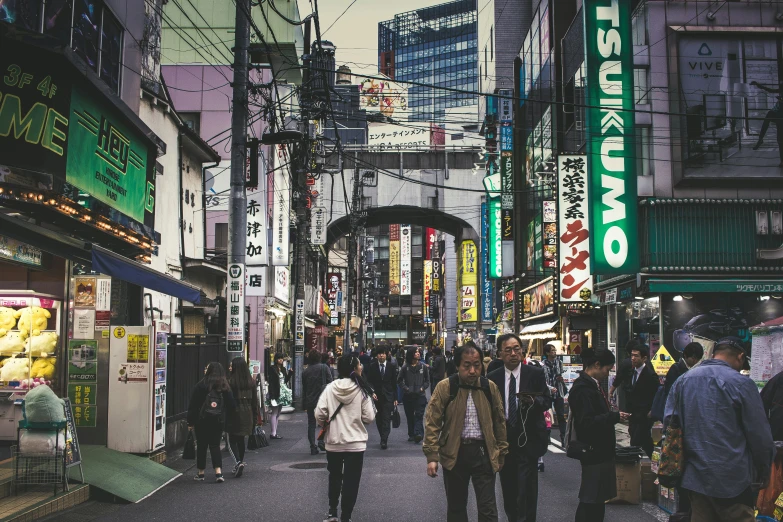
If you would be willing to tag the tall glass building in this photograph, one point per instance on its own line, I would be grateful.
(435, 45)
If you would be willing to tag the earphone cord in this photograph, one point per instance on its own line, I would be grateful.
(524, 429)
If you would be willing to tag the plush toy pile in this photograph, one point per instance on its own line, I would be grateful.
(29, 339)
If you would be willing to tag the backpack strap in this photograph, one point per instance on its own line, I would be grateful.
(454, 388)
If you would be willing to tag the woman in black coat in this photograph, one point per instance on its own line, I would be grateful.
(593, 425)
(209, 417)
(242, 420)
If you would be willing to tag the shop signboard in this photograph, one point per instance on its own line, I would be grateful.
(427, 264)
(256, 251)
(334, 282)
(19, 252)
(495, 239)
(486, 284)
(429, 244)
(506, 105)
(468, 279)
(538, 300)
(394, 259)
(405, 260)
(611, 151)
(576, 281)
(283, 284)
(281, 212)
(235, 329)
(255, 281)
(436, 272)
(299, 326)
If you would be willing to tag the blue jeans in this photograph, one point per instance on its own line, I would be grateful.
(414, 413)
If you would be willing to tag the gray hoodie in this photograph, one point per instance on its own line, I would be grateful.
(347, 431)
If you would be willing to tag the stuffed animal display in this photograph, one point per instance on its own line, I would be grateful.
(43, 345)
(32, 319)
(12, 343)
(7, 319)
(43, 368)
(15, 370)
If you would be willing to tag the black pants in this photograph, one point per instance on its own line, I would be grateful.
(414, 413)
(345, 473)
(590, 512)
(472, 464)
(559, 404)
(640, 431)
(519, 482)
(208, 437)
(237, 444)
(383, 418)
(311, 427)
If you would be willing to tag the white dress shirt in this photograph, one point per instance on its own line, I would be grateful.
(506, 384)
(638, 371)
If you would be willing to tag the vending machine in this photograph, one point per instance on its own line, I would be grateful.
(137, 388)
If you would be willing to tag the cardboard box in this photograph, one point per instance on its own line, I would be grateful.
(629, 483)
(649, 487)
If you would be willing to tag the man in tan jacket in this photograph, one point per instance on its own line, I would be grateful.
(465, 431)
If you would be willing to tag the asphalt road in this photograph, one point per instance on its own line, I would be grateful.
(394, 487)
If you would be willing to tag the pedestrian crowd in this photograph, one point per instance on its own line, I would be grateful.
(491, 419)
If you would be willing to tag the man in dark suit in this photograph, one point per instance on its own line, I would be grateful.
(382, 376)
(644, 385)
(525, 398)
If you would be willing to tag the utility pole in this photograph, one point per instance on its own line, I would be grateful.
(237, 209)
(353, 219)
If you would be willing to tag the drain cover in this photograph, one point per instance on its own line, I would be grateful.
(308, 465)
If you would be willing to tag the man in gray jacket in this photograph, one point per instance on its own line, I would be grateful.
(314, 379)
(414, 380)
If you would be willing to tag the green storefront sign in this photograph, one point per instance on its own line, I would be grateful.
(742, 286)
(495, 239)
(54, 122)
(611, 137)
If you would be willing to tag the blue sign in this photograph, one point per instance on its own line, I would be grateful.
(506, 138)
(486, 284)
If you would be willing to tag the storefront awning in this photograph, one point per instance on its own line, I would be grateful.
(109, 263)
(538, 328)
(733, 285)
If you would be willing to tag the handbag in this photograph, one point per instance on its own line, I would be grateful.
(257, 440)
(395, 418)
(327, 423)
(575, 449)
(672, 461)
(189, 451)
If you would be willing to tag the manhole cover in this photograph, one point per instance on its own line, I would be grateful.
(308, 465)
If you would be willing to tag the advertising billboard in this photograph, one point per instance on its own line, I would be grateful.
(486, 284)
(575, 279)
(495, 239)
(394, 259)
(611, 152)
(468, 280)
(538, 300)
(405, 260)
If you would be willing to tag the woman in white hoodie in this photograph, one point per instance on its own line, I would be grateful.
(346, 405)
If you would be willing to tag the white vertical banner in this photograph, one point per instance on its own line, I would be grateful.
(256, 281)
(576, 283)
(318, 225)
(299, 322)
(405, 260)
(256, 253)
(235, 327)
(281, 210)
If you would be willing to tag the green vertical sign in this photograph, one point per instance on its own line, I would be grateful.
(611, 136)
(495, 238)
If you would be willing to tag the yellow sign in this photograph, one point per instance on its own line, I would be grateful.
(468, 278)
(662, 361)
(138, 348)
(427, 286)
(119, 332)
(394, 266)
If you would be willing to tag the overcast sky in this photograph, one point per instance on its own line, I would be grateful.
(356, 33)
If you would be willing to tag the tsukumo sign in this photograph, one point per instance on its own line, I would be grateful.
(610, 142)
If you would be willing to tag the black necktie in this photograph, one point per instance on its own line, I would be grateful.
(383, 370)
(513, 412)
(635, 376)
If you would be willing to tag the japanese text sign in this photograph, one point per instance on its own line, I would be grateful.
(576, 281)
(405, 259)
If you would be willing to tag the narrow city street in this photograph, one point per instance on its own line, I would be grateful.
(283, 483)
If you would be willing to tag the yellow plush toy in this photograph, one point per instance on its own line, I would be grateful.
(43, 367)
(44, 344)
(13, 342)
(7, 319)
(32, 319)
(15, 369)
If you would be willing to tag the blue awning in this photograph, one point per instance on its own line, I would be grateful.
(115, 265)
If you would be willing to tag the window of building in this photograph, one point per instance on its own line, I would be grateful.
(192, 120)
(641, 86)
(644, 148)
(221, 236)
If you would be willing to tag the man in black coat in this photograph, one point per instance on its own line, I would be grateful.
(437, 368)
(691, 355)
(525, 399)
(382, 376)
(315, 377)
(644, 385)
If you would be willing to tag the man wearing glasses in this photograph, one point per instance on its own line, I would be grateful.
(525, 398)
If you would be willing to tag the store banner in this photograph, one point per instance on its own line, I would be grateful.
(394, 259)
(495, 239)
(611, 143)
(256, 251)
(550, 234)
(334, 283)
(468, 280)
(405, 259)
(235, 327)
(575, 279)
(486, 284)
(281, 210)
(427, 286)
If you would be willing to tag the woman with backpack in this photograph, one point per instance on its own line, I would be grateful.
(242, 420)
(343, 409)
(279, 394)
(209, 403)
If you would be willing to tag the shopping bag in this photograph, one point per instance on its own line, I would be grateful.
(395, 418)
(258, 439)
(672, 462)
(189, 451)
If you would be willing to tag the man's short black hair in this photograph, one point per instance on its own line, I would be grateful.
(379, 350)
(643, 350)
(313, 357)
(501, 340)
(631, 346)
(693, 351)
(467, 347)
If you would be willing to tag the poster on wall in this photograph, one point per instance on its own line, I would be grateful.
(405, 260)
(576, 281)
(83, 323)
(538, 300)
(84, 291)
(394, 259)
